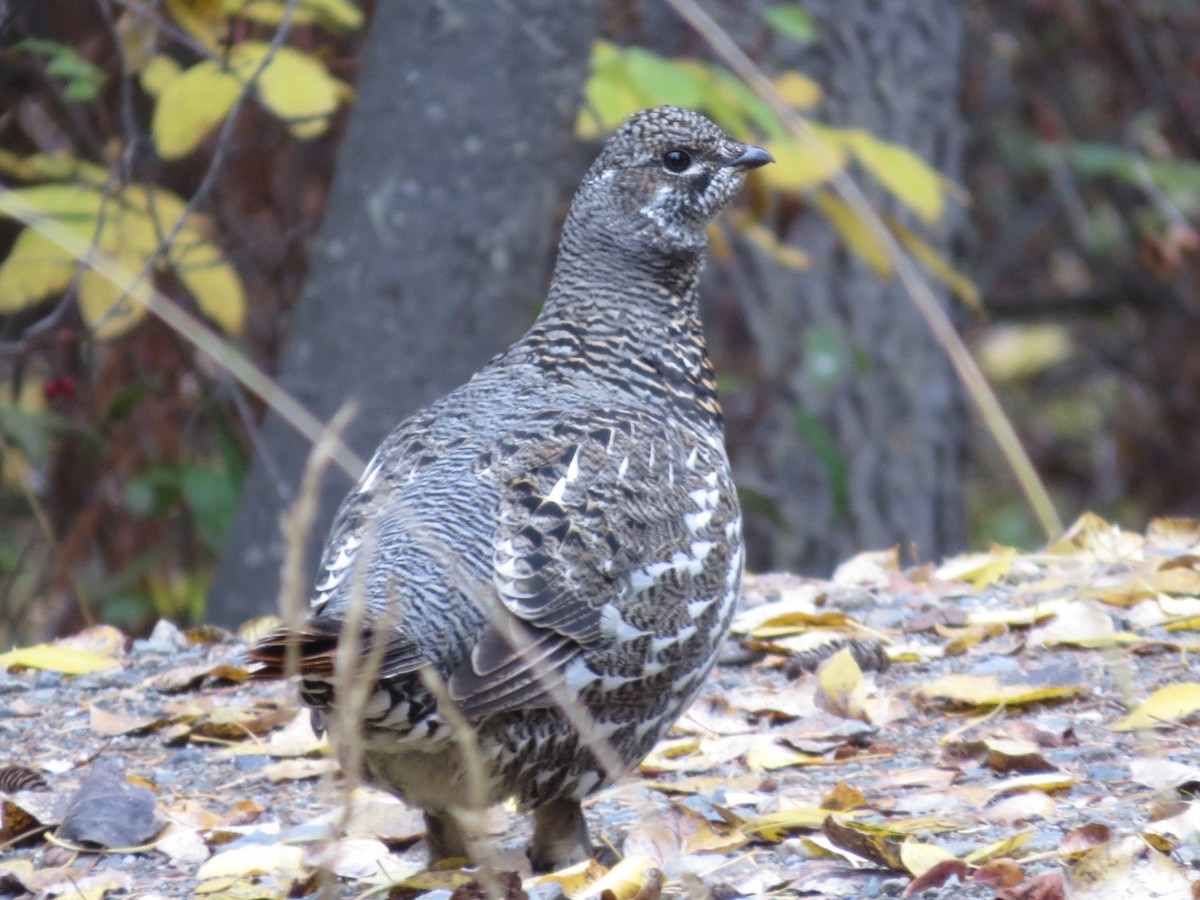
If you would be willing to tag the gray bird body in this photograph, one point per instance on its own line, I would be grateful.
(563, 527)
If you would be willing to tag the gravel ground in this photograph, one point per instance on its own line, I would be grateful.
(918, 765)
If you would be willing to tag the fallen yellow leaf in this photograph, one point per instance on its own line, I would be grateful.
(777, 825)
(1165, 706)
(919, 857)
(623, 880)
(273, 859)
(57, 659)
(986, 690)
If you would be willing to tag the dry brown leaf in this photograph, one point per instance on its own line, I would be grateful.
(871, 842)
(1082, 839)
(843, 798)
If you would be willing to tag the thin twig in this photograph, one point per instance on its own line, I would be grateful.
(296, 524)
(470, 816)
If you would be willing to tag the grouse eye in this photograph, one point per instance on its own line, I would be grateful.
(676, 160)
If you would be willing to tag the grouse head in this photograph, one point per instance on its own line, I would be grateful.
(659, 181)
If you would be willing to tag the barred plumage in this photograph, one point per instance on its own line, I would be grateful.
(563, 525)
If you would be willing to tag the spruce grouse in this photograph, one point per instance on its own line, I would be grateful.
(561, 528)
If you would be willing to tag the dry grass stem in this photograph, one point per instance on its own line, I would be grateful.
(915, 285)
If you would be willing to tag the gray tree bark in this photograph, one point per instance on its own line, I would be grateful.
(846, 428)
(436, 245)
(847, 350)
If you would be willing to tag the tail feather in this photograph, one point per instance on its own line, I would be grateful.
(316, 654)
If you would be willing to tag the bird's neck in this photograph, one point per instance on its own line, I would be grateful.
(634, 323)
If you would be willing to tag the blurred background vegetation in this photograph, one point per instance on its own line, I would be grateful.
(123, 449)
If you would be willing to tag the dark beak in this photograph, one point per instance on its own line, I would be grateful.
(752, 158)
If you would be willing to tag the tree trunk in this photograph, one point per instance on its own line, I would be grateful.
(853, 358)
(846, 421)
(435, 248)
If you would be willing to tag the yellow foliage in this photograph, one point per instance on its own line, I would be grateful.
(799, 166)
(1169, 704)
(109, 308)
(44, 166)
(200, 19)
(213, 283)
(138, 36)
(35, 269)
(624, 880)
(774, 826)
(800, 91)
(766, 240)
(1013, 352)
(910, 178)
(135, 221)
(57, 659)
(295, 86)
(855, 233)
(339, 14)
(919, 857)
(190, 106)
(159, 72)
(960, 285)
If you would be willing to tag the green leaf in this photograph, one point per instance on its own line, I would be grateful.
(27, 431)
(661, 81)
(125, 401)
(84, 78)
(153, 491)
(754, 108)
(825, 358)
(822, 444)
(211, 496)
(792, 21)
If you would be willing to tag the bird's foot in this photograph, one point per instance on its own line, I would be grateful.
(445, 837)
(560, 836)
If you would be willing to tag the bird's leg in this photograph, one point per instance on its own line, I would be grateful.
(560, 836)
(444, 836)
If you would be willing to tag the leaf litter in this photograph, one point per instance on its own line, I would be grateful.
(1020, 726)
